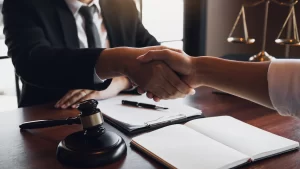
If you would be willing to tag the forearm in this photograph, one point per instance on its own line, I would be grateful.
(119, 61)
(244, 79)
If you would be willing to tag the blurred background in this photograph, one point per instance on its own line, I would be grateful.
(200, 27)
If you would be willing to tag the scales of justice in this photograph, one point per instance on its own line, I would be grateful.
(292, 37)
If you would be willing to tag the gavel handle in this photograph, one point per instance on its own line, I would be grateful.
(49, 123)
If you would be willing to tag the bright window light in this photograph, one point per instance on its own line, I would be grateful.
(164, 19)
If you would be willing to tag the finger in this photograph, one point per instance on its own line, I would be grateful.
(149, 95)
(165, 47)
(156, 99)
(172, 91)
(180, 63)
(179, 89)
(140, 90)
(74, 99)
(66, 97)
(74, 106)
(87, 97)
(164, 89)
(162, 55)
(158, 90)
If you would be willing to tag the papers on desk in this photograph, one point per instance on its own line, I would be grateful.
(134, 119)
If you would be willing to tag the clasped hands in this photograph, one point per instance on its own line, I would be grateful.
(162, 72)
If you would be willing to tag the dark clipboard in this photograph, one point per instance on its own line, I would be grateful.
(148, 128)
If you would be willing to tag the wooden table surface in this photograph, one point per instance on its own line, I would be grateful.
(35, 149)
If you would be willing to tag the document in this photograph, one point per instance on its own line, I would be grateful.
(133, 118)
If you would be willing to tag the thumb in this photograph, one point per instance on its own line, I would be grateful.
(162, 55)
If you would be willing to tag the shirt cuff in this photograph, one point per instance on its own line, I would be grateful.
(97, 79)
(284, 86)
(132, 86)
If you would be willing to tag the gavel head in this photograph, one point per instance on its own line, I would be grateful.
(91, 118)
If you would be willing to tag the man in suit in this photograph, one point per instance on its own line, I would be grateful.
(58, 45)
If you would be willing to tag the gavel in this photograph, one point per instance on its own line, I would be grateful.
(91, 147)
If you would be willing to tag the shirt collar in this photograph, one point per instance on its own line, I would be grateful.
(75, 5)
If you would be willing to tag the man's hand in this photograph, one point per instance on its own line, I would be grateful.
(181, 63)
(73, 97)
(155, 77)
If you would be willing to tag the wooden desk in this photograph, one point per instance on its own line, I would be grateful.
(36, 149)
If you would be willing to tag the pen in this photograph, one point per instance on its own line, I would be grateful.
(143, 105)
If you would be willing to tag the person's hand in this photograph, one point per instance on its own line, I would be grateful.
(181, 63)
(73, 97)
(155, 77)
(113, 62)
(159, 79)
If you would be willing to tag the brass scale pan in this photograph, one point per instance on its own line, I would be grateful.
(252, 40)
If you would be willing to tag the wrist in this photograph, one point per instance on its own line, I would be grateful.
(203, 69)
(109, 63)
(117, 61)
(211, 71)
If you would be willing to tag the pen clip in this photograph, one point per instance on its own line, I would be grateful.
(165, 119)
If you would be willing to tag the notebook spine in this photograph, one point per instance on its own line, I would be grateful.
(166, 120)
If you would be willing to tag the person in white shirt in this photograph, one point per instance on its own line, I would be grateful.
(274, 84)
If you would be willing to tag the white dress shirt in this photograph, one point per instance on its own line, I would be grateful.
(284, 86)
(74, 6)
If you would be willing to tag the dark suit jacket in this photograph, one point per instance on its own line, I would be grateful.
(41, 36)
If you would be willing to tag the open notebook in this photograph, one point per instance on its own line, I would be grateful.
(134, 119)
(210, 143)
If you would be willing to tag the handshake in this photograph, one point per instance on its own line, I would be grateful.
(162, 72)
(165, 73)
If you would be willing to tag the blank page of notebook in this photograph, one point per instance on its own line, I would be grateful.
(178, 146)
(243, 137)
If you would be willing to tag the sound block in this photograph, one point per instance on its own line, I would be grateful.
(77, 150)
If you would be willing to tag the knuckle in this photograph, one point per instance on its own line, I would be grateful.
(82, 94)
(72, 92)
(162, 47)
(162, 96)
(180, 51)
(174, 92)
(182, 96)
(185, 89)
(167, 51)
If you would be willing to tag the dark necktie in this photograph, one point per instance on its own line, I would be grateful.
(91, 31)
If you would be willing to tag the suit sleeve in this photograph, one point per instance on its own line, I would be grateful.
(36, 61)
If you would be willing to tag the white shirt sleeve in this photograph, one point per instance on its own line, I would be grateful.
(284, 86)
(97, 79)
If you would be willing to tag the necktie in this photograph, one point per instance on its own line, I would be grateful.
(91, 31)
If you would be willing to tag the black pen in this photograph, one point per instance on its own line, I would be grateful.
(143, 105)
